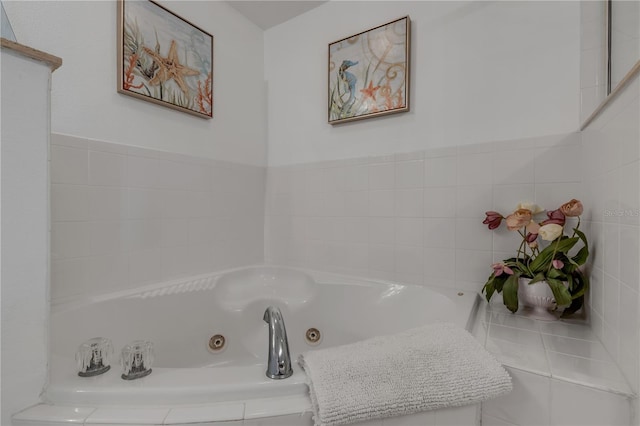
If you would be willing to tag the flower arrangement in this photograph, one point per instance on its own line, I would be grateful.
(553, 263)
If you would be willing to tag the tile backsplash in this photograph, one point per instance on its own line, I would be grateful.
(124, 216)
(415, 217)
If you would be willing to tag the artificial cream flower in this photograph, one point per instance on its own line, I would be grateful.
(532, 207)
(550, 231)
(518, 219)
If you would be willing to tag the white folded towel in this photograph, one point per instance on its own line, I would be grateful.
(434, 366)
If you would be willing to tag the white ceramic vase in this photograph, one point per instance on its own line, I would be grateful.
(538, 300)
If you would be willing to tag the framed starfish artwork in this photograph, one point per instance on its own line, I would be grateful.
(163, 58)
(369, 73)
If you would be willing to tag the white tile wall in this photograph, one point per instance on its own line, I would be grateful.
(415, 217)
(562, 375)
(538, 401)
(562, 350)
(612, 186)
(124, 216)
(527, 404)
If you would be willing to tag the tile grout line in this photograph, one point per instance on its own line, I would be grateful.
(164, 419)
(546, 357)
(84, 421)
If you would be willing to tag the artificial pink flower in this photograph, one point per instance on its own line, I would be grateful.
(493, 219)
(532, 232)
(555, 217)
(499, 268)
(572, 208)
(558, 264)
(533, 227)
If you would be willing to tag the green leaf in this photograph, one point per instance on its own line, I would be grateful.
(567, 244)
(573, 308)
(572, 264)
(580, 284)
(581, 257)
(556, 273)
(539, 277)
(510, 293)
(521, 266)
(494, 284)
(570, 280)
(499, 282)
(560, 292)
(582, 236)
(542, 260)
(489, 288)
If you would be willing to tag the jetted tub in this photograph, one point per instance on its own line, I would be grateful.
(180, 318)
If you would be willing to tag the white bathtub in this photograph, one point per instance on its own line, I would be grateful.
(180, 317)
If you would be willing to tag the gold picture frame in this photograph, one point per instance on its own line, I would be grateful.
(368, 73)
(164, 59)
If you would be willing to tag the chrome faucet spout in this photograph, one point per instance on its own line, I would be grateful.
(279, 364)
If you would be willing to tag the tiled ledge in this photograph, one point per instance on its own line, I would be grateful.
(218, 413)
(562, 350)
(289, 411)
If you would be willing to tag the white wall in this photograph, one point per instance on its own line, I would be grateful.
(480, 71)
(25, 231)
(625, 38)
(593, 56)
(84, 98)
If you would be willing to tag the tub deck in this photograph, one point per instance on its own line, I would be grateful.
(191, 383)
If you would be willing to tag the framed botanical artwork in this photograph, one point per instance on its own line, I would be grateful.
(369, 73)
(163, 58)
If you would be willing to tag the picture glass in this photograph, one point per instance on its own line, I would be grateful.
(165, 59)
(369, 73)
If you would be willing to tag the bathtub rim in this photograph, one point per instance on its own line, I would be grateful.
(209, 281)
(59, 392)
